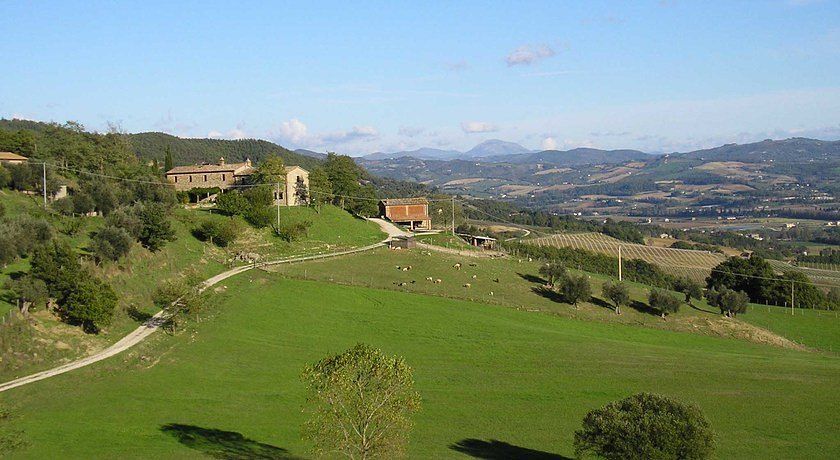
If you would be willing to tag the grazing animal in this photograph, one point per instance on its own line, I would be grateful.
(402, 284)
(491, 293)
(438, 281)
(496, 280)
(530, 259)
(457, 266)
(467, 285)
(405, 269)
(473, 264)
(474, 277)
(429, 278)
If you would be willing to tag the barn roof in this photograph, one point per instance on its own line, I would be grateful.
(404, 201)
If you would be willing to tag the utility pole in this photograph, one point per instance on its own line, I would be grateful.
(619, 263)
(453, 215)
(44, 184)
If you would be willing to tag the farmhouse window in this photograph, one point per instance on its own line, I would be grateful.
(223, 177)
(190, 178)
(176, 179)
(205, 178)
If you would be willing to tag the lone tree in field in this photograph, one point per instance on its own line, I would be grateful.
(575, 289)
(645, 426)
(663, 302)
(689, 287)
(617, 293)
(359, 404)
(728, 301)
(553, 272)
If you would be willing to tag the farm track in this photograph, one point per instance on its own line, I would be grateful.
(160, 318)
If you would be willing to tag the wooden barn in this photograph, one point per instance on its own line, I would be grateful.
(411, 212)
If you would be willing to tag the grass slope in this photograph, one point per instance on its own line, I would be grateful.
(487, 373)
(519, 287)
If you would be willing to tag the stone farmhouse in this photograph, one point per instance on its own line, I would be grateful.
(411, 212)
(228, 175)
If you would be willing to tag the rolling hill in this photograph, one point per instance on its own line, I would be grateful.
(152, 145)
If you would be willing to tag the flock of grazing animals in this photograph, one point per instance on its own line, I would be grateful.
(430, 279)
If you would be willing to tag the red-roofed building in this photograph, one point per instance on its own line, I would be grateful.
(411, 212)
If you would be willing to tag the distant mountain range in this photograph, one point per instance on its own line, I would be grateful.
(492, 147)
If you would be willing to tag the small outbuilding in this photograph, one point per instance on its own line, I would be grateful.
(484, 242)
(402, 242)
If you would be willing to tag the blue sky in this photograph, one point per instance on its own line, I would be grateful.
(657, 76)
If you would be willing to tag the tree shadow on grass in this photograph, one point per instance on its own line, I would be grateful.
(642, 307)
(714, 312)
(532, 278)
(602, 303)
(139, 316)
(500, 450)
(549, 294)
(223, 444)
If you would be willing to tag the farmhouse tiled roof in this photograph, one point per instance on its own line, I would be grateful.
(238, 168)
(9, 156)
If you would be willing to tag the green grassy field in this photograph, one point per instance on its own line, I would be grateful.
(518, 287)
(136, 276)
(813, 328)
(484, 372)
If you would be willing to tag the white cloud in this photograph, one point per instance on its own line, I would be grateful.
(549, 143)
(478, 127)
(363, 133)
(293, 130)
(527, 54)
(215, 134)
(237, 134)
(410, 131)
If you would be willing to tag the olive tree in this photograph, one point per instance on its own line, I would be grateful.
(645, 426)
(575, 289)
(617, 293)
(689, 287)
(359, 404)
(553, 272)
(663, 302)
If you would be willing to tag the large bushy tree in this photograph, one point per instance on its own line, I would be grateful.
(359, 404)
(91, 303)
(645, 426)
(155, 228)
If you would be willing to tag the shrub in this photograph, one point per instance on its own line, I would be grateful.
(90, 303)
(645, 426)
(155, 230)
(292, 231)
(232, 203)
(111, 243)
(260, 216)
(728, 301)
(221, 234)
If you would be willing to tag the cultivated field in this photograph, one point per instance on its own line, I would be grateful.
(687, 262)
(229, 386)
